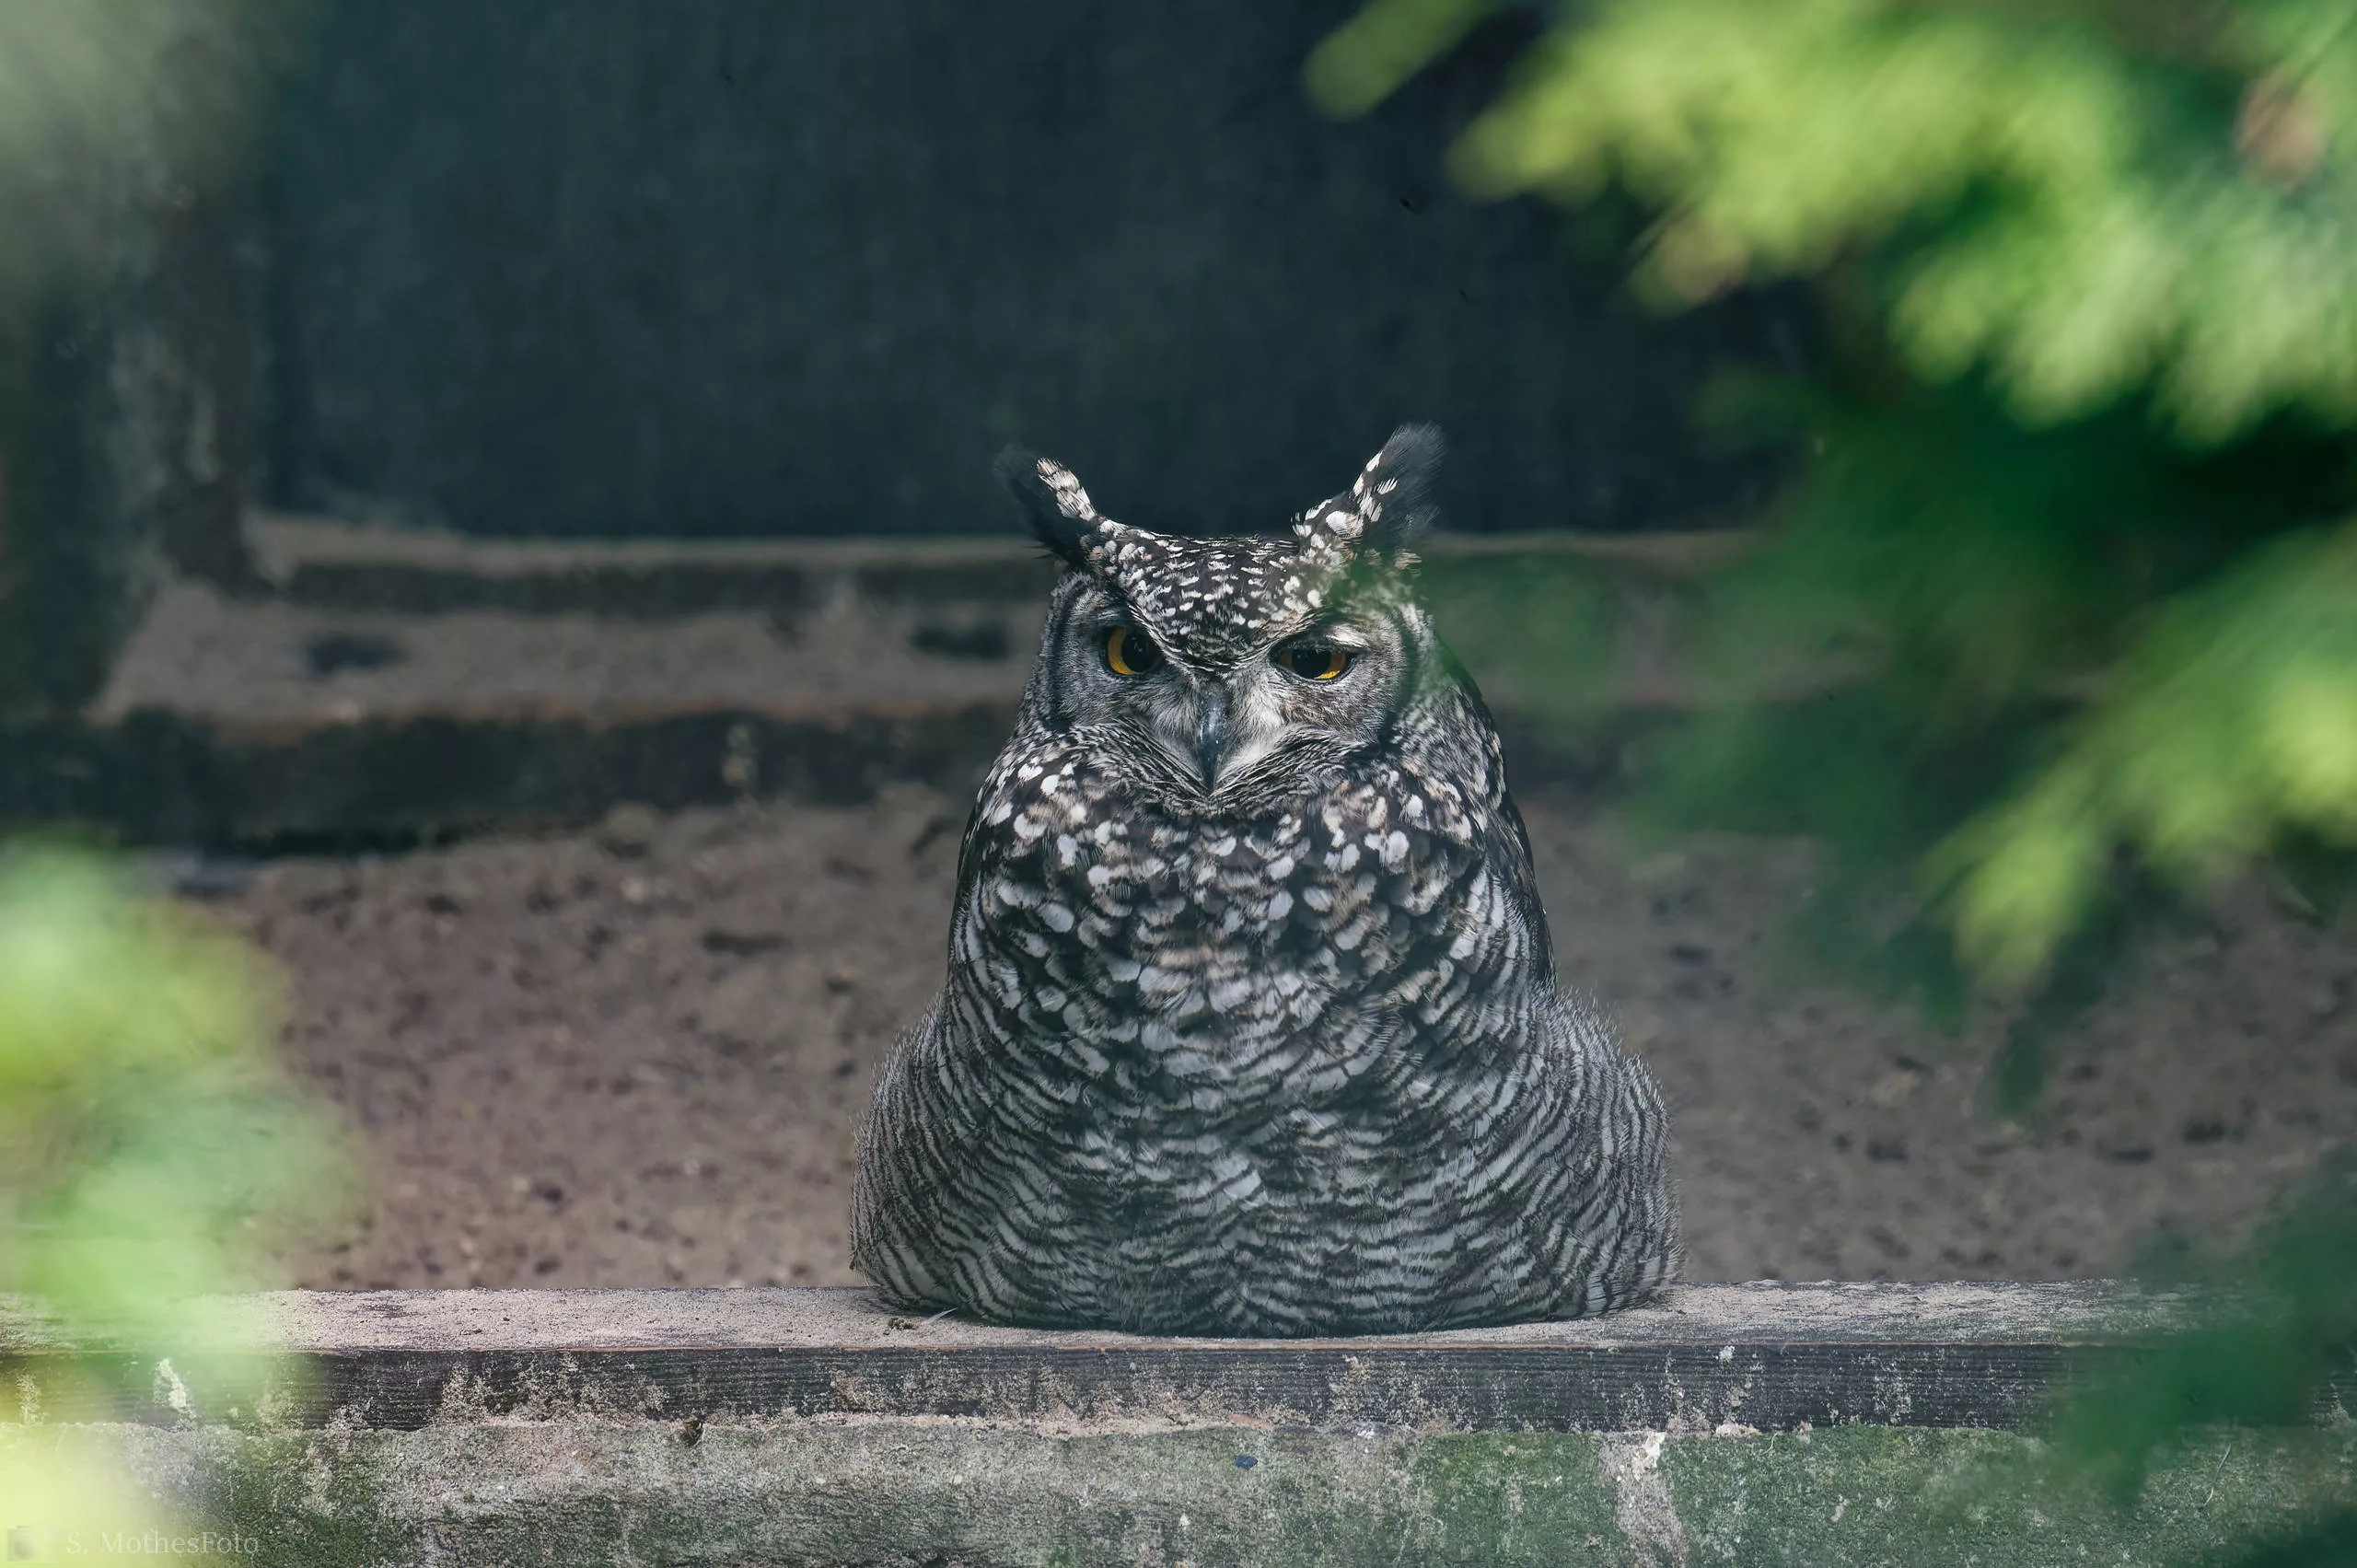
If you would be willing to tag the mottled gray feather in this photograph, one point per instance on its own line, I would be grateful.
(1277, 1053)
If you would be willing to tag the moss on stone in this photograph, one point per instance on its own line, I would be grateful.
(587, 1491)
(1919, 1498)
(1518, 1497)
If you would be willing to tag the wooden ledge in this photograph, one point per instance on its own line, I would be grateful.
(382, 568)
(1760, 1357)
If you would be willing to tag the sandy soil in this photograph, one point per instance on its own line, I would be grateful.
(633, 1056)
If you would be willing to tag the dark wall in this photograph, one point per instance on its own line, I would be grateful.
(773, 266)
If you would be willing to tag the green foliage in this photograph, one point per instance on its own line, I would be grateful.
(2282, 1348)
(103, 102)
(2058, 622)
(1541, 633)
(2085, 197)
(1381, 47)
(2234, 720)
(2081, 432)
(2270, 1358)
(149, 1149)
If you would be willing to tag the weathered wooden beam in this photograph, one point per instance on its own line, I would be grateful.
(406, 571)
(1766, 1357)
(378, 569)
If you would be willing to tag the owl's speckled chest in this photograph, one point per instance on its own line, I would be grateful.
(1195, 968)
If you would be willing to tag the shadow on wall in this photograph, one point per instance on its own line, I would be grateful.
(614, 268)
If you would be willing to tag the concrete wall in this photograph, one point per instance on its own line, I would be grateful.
(1009, 1495)
(127, 303)
(617, 266)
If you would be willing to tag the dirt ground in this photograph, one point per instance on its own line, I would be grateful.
(633, 1056)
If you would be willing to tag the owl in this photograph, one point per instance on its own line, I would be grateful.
(1251, 1024)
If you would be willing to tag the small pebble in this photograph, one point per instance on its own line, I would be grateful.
(627, 832)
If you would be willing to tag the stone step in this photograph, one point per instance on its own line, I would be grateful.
(1820, 1423)
(397, 686)
(1771, 1356)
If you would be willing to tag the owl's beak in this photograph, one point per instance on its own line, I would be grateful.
(1211, 736)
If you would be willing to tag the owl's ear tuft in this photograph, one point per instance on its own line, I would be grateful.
(1400, 483)
(1388, 507)
(1054, 506)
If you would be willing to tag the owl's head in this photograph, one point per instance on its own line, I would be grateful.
(1235, 665)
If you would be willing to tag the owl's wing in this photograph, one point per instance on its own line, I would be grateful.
(1510, 861)
(970, 850)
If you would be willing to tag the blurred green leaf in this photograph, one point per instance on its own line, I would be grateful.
(2231, 721)
(2034, 229)
(108, 106)
(1542, 635)
(2056, 625)
(149, 1145)
(1364, 61)
(2265, 1358)
(2081, 216)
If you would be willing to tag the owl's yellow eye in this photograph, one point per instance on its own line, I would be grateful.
(1315, 661)
(1128, 651)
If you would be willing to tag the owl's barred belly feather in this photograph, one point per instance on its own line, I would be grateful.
(1287, 1060)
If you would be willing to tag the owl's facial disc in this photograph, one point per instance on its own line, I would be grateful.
(1215, 717)
(1213, 664)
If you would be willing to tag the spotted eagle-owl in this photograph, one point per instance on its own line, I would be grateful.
(1251, 1024)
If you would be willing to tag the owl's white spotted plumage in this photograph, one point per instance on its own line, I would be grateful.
(1251, 1024)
